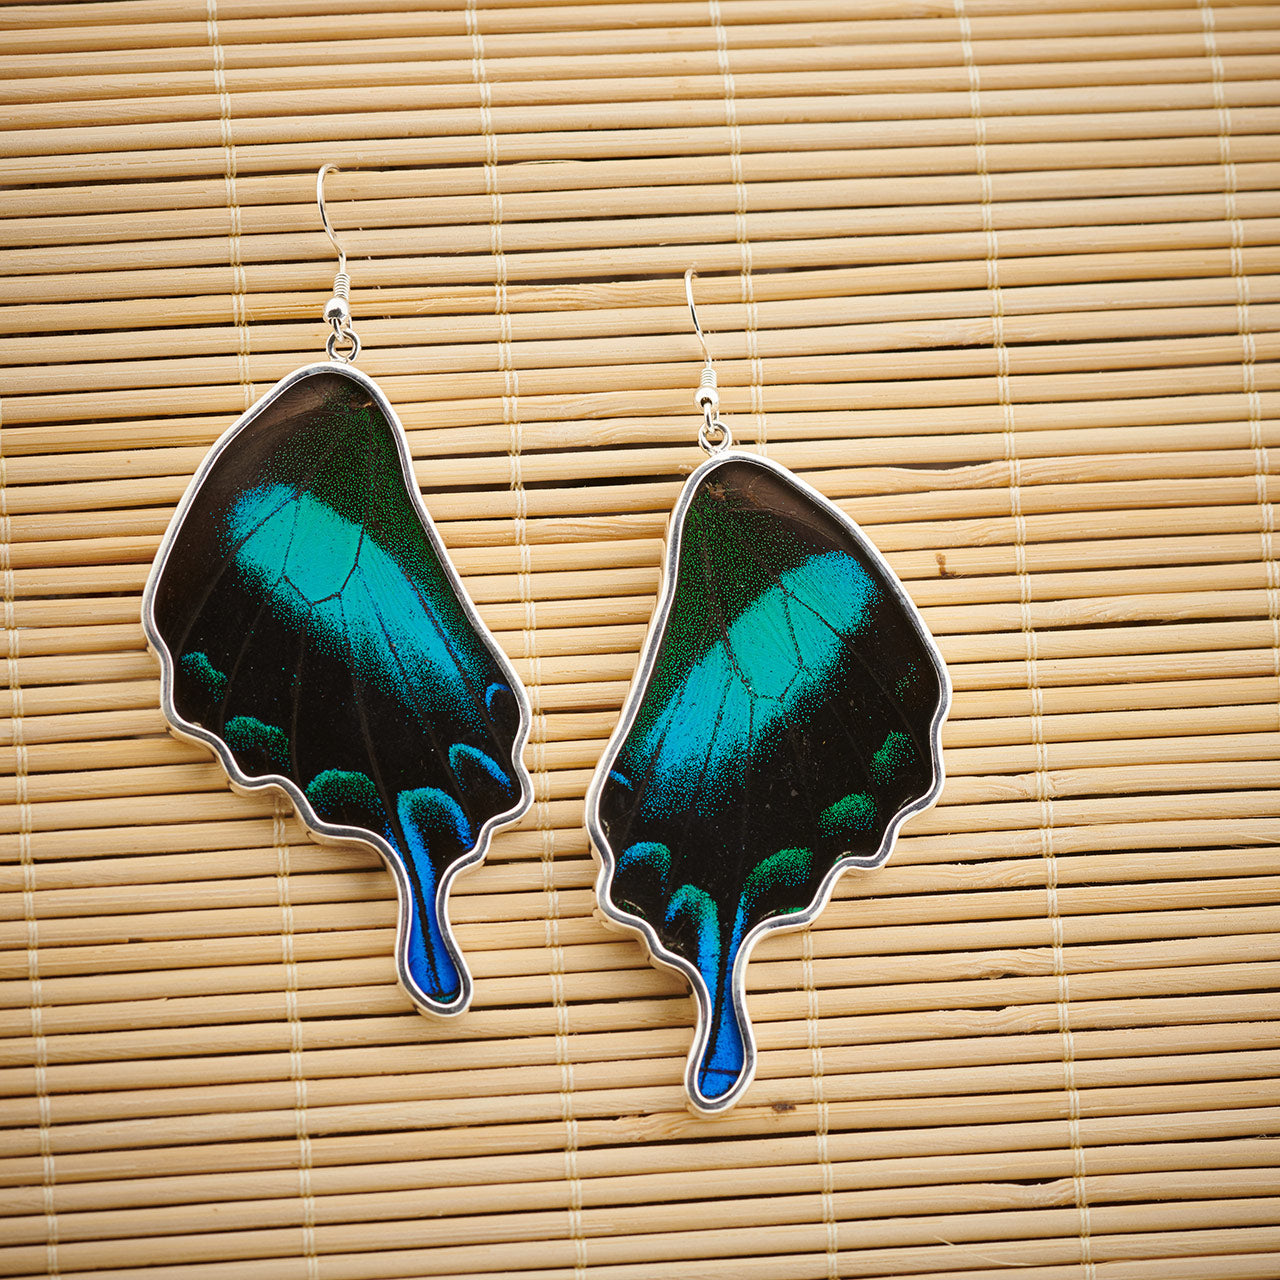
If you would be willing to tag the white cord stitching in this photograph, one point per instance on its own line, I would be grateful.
(239, 281)
(26, 857)
(537, 737)
(1043, 785)
(1244, 327)
(748, 294)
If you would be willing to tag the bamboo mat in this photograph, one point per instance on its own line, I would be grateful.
(1000, 277)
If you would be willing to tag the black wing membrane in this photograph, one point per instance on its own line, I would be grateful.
(315, 637)
(789, 722)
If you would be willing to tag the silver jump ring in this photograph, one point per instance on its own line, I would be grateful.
(714, 435)
(334, 346)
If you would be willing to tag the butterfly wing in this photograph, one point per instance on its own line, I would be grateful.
(784, 724)
(311, 631)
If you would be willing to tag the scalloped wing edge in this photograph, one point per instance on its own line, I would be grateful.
(322, 832)
(625, 921)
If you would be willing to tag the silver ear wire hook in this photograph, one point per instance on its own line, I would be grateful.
(343, 344)
(693, 312)
(325, 171)
(714, 435)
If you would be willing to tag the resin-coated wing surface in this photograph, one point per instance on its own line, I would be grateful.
(312, 632)
(783, 724)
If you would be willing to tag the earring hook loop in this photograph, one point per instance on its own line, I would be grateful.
(325, 171)
(693, 312)
(343, 344)
(714, 434)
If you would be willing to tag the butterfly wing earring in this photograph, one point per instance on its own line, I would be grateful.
(312, 631)
(783, 723)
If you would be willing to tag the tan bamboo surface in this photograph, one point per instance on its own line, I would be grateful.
(1002, 278)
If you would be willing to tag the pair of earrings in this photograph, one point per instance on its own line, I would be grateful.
(783, 722)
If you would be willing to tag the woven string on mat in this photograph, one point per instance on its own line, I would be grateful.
(1000, 277)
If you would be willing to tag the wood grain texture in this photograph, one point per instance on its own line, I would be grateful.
(1001, 278)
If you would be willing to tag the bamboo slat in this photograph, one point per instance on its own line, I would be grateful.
(1000, 278)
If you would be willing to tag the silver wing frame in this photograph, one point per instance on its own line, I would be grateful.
(605, 856)
(320, 831)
